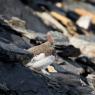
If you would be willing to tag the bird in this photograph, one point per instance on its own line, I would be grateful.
(46, 47)
(43, 55)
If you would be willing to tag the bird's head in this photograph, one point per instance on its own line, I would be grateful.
(50, 38)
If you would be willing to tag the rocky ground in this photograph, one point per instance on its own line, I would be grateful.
(47, 47)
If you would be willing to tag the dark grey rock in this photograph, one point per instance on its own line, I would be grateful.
(22, 80)
(59, 38)
(86, 62)
(11, 53)
(68, 51)
(73, 67)
(19, 80)
(32, 22)
(69, 83)
(12, 46)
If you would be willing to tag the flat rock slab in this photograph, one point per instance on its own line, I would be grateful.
(22, 80)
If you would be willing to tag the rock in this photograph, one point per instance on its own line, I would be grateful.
(91, 1)
(24, 13)
(86, 64)
(51, 69)
(59, 38)
(86, 46)
(85, 61)
(7, 33)
(51, 22)
(69, 51)
(12, 46)
(89, 39)
(69, 66)
(20, 26)
(11, 53)
(84, 22)
(91, 81)
(65, 22)
(22, 80)
(80, 5)
(72, 15)
(61, 83)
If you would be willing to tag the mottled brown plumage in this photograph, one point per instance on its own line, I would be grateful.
(46, 47)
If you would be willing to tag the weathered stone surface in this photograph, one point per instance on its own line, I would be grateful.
(15, 78)
(86, 62)
(22, 81)
(69, 51)
(25, 13)
(12, 46)
(59, 38)
(91, 81)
